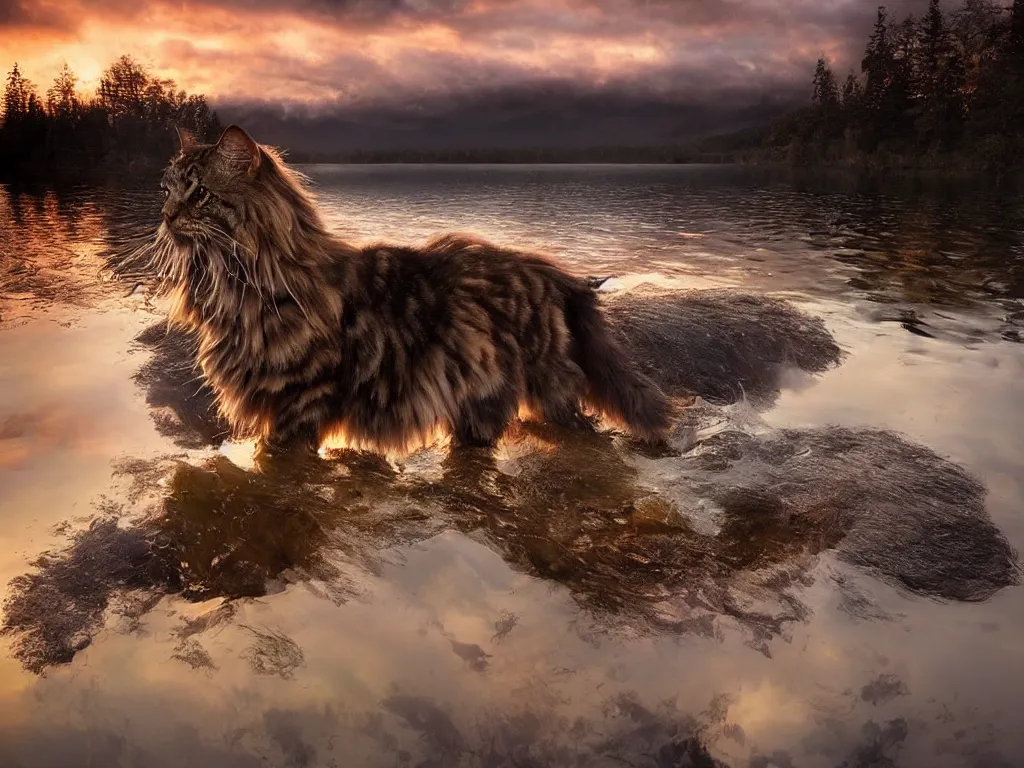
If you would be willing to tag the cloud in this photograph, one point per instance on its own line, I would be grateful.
(422, 56)
(20, 14)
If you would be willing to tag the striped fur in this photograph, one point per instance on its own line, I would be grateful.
(304, 337)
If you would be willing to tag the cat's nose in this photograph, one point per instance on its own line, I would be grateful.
(170, 211)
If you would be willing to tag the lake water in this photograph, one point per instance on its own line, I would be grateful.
(820, 571)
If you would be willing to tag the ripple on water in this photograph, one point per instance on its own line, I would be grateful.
(574, 598)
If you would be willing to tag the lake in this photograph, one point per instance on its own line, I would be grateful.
(820, 570)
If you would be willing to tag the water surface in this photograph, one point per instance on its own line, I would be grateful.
(819, 572)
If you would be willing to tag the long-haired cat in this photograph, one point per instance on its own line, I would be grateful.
(303, 336)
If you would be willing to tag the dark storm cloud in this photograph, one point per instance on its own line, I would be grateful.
(16, 14)
(437, 68)
(364, 13)
(534, 115)
(520, 19)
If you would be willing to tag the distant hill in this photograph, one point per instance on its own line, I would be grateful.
(553, 122)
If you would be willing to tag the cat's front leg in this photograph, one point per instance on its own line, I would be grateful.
(290, 437)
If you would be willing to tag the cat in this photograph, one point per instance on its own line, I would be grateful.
(304, 337)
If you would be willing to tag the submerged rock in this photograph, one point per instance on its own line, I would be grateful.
(882, 503)
(721, 345)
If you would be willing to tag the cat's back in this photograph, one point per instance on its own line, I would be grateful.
(463, 267)
(418, 293)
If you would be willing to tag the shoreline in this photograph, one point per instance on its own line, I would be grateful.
(144, 173)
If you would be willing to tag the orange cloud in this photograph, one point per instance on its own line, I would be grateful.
(336, 51)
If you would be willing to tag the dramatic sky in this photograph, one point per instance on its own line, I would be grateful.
(432, 72)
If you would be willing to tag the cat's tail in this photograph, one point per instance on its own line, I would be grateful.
(615, 387)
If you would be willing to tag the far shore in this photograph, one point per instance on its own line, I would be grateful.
(144, 171)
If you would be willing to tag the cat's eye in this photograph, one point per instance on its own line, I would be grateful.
(165, 191)
(201, 195)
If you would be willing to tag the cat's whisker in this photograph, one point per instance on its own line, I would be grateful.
(226, 242)
(295, 298)
(202, 386)
(235, 245)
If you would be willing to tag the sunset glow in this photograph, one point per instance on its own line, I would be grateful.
(321, 51)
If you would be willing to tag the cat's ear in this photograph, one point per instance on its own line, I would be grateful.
(186, 139)
(238, 149)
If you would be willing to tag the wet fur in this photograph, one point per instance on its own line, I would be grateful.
(303, 337)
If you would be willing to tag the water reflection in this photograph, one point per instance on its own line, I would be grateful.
(407, 731)
(563, 507)
(411, 730)
(572, 599)
(934, 247)
(722, 531)
(56, 241)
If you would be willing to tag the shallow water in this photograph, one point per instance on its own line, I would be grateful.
(819, 572)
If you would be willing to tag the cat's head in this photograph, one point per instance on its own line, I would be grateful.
(208, 188)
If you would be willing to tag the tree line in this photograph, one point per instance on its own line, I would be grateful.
(943, 89)
(127, 124)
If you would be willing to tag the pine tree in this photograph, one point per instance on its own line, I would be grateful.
(16, 96)
(977, 31)
(888, 70)
(941, 77)
(123, 88)
(34, 111)
(905, 76)
(852, 97)
(195, 114)
(1016, 43)
(23, 135)
(62, 99)
(934, 45)
(827, 117)
(877, 62)
(1013, 82)
(826, 90)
